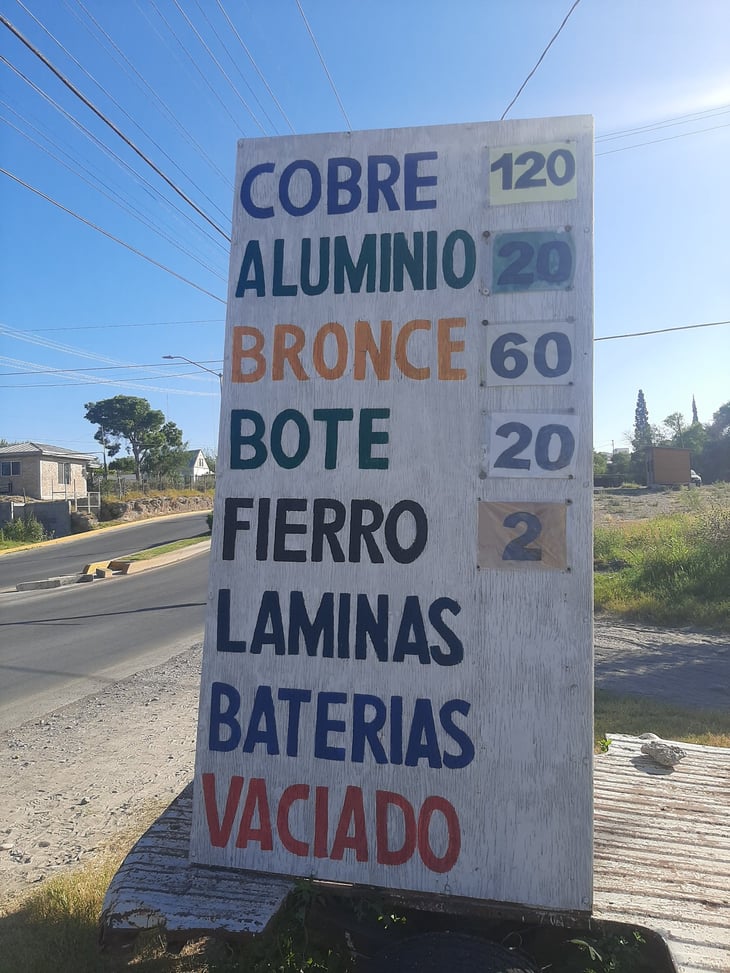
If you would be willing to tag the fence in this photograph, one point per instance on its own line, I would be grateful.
(122, 485)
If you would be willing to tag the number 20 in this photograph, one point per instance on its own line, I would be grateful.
(510, 459)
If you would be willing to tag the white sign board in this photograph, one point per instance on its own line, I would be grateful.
(397, 680)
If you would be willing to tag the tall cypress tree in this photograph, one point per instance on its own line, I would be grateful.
(642, 429)
(642, 439)
(695, 416)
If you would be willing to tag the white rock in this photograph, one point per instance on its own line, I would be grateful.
(666, 754)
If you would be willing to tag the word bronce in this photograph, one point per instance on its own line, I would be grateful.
(331, 351)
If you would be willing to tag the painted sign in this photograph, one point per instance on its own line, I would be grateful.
(397, 678)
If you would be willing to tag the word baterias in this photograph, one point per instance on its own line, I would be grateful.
(331, 352)
(345, 626)
(383, 826)
(339, 726)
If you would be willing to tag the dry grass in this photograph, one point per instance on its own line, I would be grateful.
(635, 715)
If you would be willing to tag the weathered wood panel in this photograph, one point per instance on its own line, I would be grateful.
(391, 696)
(662, 849)
(157, 886)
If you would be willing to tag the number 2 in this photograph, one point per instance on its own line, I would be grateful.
(517, 549)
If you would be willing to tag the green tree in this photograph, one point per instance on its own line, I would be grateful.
(167, 457)
(620, 464)
(600, 463)
(676, 425)
(695, 437)
(692, 437)
(131, 420)
(644, 437)
(123, 464)
(714, 460)
(695, 416)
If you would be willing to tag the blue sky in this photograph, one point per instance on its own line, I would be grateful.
(82, 318)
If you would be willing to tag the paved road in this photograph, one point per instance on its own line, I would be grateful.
(58, 645)
(69, 555)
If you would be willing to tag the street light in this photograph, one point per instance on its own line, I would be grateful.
(198, 365)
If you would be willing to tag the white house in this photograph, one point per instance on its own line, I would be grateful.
(195, 465)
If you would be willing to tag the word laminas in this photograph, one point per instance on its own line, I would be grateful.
(345, 626)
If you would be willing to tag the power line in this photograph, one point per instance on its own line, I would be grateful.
(94, 226)
(110, 152)
(218, 361)
(129, 383)
(107, 121)
(120, 107)
(220, 67)
(117, 384)
(107, 192)
(130, 70)
(234, 62)
(131, 324)
(255, 65)
(539, 60)
(669, 138)
(194, 63)
(682, 327)
(665, 123)
(111, 368)
(326, 71)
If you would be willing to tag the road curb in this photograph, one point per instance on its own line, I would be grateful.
(59, 582)
(116, 568)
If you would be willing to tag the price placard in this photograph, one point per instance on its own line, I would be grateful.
(530, 353)
(522, 536)
(533, 260)
(527, 444)
(533, 174)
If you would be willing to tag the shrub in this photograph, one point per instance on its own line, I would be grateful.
(25, 530)
(671, 570)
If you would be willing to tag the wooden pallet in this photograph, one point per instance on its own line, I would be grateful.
(661, 861)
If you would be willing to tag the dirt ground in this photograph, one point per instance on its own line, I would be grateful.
(627, 503)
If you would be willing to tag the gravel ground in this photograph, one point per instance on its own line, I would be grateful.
(90, 770)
